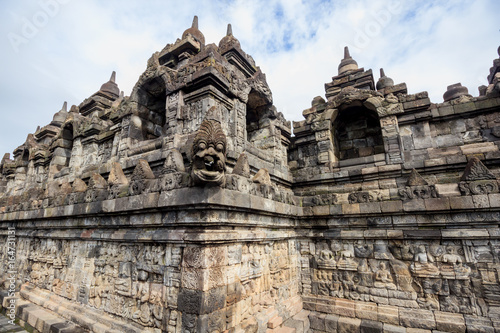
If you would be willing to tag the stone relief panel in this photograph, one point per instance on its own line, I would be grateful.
(165, 286)
(454, 276)
(133, 281)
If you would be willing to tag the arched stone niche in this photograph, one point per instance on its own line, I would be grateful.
(257, 105)
(363, 124)
(356, 133)
(149, 119)
(67, 136)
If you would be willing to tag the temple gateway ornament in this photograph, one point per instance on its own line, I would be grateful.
(209, 154)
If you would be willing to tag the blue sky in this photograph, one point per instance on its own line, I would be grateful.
(63, 50)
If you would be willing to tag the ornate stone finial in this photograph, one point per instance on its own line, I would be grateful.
(384, 81)
(209, 154)
(262, 177)
(173, 162)
(318, 100)
(142, 180)
(348, 63)
(74, 109)
(60, 116)
(477, 179)
(242, 167)
(79, 186)
(228, 41)
(118, 183)
(476, 170)
(116, 175)
(346, 52)
(195, 32)
(455, 91)
(97, 181)
(415, 179)
(111, 87)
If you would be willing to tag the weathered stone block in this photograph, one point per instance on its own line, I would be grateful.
(414, 205)
(388, 328)
(317, 321)
(434, 204)
(371, 326)
(365, 310)
(349, 325)
(369, 208)
(477, 148)
(461, 202)
(190, 301)
(345, 307)
(350, 209)
(478, 324)
(392, 206)
(331, 323)
(417, 318)
(481, 201)
(450, 322)
(446, 110)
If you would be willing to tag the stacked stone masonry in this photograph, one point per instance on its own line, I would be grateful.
(189, 206)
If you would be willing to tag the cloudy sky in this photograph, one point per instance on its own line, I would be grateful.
(63, 50)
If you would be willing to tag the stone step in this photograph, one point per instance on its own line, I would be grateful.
(7, 327)
(299, 322)
(61, 313)
(282, 329)
(274, 322)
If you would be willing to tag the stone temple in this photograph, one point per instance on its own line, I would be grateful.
(189, 206)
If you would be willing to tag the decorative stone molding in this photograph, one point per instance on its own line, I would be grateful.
(143, 179)
(417, 188)
(477, 179)
(361, 197)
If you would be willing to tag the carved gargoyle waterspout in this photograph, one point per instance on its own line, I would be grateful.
(209, 154)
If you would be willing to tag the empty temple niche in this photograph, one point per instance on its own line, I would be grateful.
(151, 98)
(67, 142)
(25, 156)
(256, 107)
(357, 133)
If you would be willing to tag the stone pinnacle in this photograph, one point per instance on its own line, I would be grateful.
(195, 22)
(229, 30)
(348, 63)
(346, 53)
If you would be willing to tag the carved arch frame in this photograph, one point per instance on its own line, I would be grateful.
(386, 110)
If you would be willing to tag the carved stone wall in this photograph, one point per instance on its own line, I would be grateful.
(189, 206)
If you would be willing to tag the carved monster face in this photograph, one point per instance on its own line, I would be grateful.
(209, 153)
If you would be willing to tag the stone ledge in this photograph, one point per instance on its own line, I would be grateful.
(87, 319)
(36, 319)
(175, 199)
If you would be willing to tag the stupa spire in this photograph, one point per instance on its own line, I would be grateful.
(348, 63)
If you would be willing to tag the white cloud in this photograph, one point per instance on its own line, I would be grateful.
(298, 44)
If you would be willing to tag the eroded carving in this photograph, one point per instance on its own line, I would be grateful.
(209, 154)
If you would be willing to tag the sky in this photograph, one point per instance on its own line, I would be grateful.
(63, 50)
